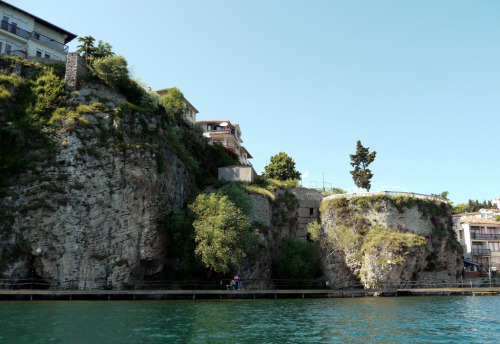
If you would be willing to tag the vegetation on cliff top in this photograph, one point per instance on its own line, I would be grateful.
(28, 101)
(281, 167)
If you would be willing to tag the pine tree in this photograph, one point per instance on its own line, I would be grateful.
(361, 174)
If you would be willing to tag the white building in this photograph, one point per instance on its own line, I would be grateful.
(237, 173)
(227, 134)
(24, 34)
(481, 240)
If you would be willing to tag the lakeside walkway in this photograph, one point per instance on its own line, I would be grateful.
(34, 294)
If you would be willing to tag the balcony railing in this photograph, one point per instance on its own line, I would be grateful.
(36, 36)
(49, 41)
(481, 252)
(485, 236)
(21, 53)
(15, 30)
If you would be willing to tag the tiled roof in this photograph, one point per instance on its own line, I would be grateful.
(478, 220)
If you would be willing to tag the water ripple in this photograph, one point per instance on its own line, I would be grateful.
(358, 320)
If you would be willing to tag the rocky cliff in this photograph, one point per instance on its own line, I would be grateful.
(284, 213)
(382, 242)
(95, 205)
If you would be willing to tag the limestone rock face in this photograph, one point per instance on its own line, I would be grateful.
(384, 243)
(95, 208)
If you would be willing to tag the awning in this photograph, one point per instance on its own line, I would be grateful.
(469, 262)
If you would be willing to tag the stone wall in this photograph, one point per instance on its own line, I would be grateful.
(307, 209)
(76, 70)
(261, 210)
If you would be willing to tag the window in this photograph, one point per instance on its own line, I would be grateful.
(0, 47)
(8, 48)
(209, 127)
(36, 35)
(5, 22)
(38, 53)
(47, 56)
(311, 211)
(13, 27)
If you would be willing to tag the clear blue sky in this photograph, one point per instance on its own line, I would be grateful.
(417, 81)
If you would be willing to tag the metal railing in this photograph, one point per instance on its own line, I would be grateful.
(481, 252)
(389, 194)
(485, 236)
(15, 30)
(21, 53)
(49, 41)
(248, 284)
(36, 36)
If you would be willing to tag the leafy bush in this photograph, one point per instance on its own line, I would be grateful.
(238, 196)
(298, 260)
(67, 119)
(182, 244)
(173, 102)
(113, 70)
(314, 230)
(49, 91)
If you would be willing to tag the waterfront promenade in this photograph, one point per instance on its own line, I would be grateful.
(36, 294)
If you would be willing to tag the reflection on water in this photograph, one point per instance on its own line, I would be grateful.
(358, 320)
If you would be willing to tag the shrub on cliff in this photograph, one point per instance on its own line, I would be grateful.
(223, 233)
(298, 260)
(113, 70)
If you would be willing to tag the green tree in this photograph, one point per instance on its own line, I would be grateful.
(87, 48)
(182, 244)
(103, 50)
(361, 174)
(173, 102)
(298, 260)
(282, 167)
(443, 195)
(460, 208)
(222, 232)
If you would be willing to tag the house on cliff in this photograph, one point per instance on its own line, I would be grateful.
(227, 134)
(26, 35)
(190, 114)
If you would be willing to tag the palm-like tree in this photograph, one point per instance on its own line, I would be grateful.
(87, 48)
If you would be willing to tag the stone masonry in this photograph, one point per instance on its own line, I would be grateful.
(75, 70)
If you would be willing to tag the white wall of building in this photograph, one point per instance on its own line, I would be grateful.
(31, 46)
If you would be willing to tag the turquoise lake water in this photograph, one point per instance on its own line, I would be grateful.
(440, 319)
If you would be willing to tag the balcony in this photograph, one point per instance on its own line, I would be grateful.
(49, 41)
(481, 252)
(12, 28)
(15, 30)
(484, 236)
(21, 53)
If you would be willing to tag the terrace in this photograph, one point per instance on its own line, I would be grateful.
(481, 252)
(36, 36)
(485, 236)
